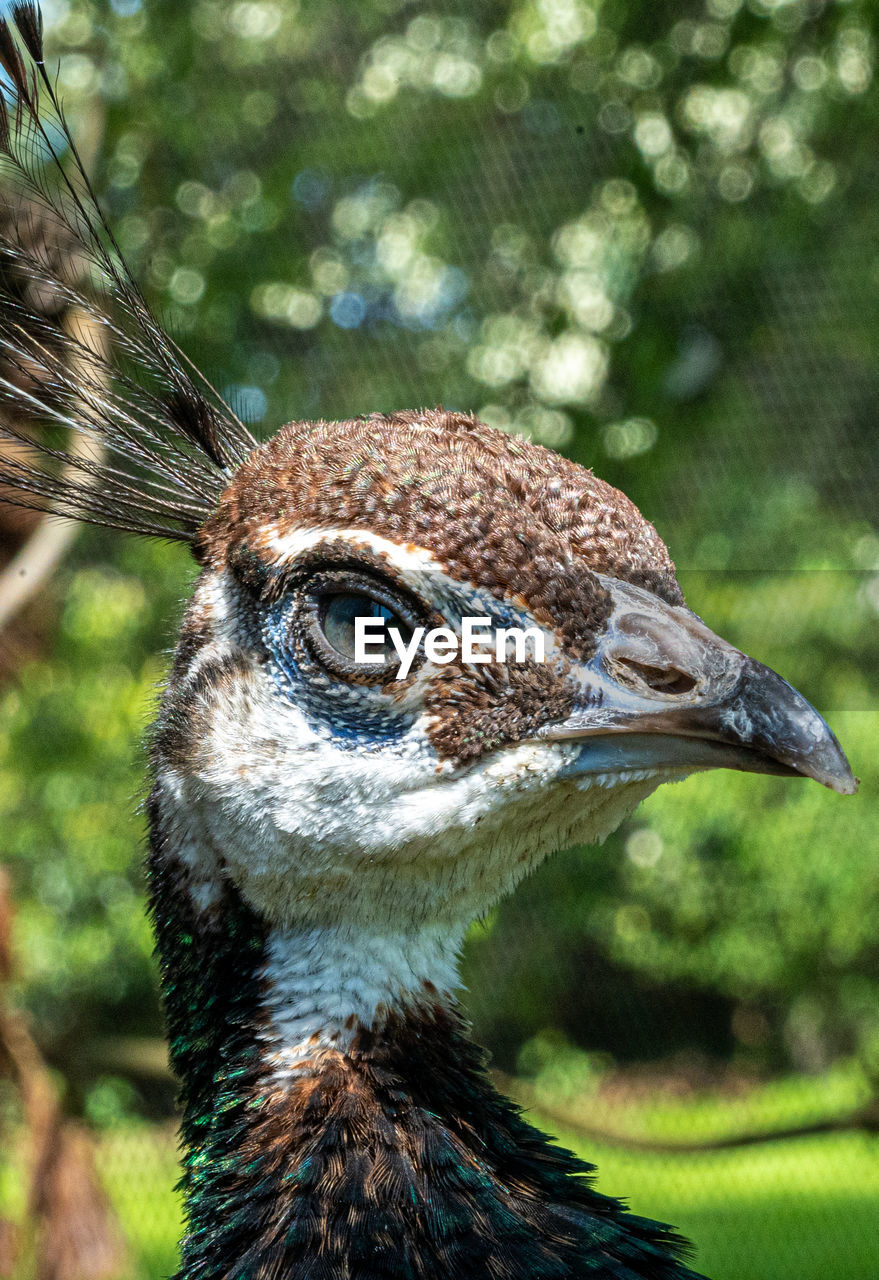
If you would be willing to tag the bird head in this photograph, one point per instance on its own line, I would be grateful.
(330, 790)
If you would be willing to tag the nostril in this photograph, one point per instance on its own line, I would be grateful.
(659, 679)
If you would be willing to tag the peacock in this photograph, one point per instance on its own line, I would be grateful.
(324, 828)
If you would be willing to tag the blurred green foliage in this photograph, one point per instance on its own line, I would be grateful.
(734, 914)
(637, 231)
(71, 779)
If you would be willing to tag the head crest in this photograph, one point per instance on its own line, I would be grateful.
(151, 444)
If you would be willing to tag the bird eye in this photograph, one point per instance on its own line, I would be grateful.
(335, 605)
(339, 620)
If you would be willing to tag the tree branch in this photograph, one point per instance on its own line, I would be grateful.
(863, 1119)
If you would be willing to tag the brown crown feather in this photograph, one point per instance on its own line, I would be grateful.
(495, 511)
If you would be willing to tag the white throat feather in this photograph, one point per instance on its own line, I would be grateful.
(324, 985)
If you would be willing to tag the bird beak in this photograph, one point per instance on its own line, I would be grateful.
(663, 692)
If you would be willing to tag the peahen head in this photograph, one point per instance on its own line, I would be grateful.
(334, 793)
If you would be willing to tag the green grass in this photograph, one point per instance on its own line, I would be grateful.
(799, 1210)
(138, 1165)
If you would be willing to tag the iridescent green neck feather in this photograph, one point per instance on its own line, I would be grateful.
(395, 1158)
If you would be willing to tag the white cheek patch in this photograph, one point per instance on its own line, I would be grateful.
(316, 834)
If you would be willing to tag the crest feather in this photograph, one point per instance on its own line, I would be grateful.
(160, 443)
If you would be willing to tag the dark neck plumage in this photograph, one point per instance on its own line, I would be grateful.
(394, 1158)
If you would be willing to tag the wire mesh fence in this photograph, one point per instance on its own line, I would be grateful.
(643, 234)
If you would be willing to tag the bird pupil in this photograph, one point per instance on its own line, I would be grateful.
(339, 619)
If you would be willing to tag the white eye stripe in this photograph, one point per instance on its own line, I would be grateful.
(407, 558)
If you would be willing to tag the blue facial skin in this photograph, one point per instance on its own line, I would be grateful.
(354, 716)
(359, 717)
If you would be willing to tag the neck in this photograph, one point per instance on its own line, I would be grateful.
(335, 1112)
(324, 985)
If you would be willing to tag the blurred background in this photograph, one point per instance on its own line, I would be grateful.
(645, 234)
